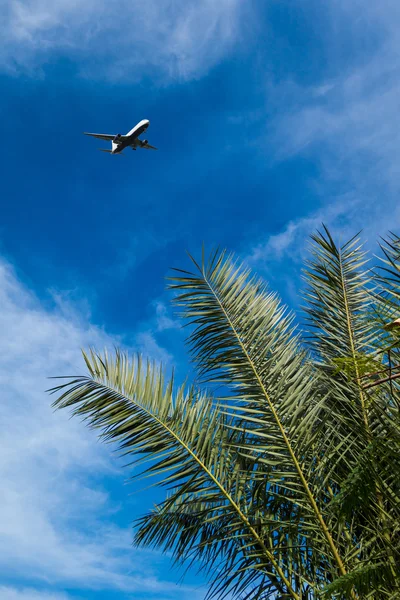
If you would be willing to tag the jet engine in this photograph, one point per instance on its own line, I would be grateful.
(117, 137)
(144, 142)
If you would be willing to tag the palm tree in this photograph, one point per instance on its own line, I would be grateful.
(286, 484)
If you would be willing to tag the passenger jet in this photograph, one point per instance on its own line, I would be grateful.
(130, 140)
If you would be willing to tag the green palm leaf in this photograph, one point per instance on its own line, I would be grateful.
(185, 439)
(243, 338)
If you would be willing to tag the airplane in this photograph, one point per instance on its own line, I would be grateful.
(130, 140)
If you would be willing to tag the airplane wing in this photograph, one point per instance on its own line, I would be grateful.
(101, 136)
(148, 147)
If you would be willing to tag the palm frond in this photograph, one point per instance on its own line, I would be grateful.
(185, 438)
(338, 300)
(196, 533)
(244, 338)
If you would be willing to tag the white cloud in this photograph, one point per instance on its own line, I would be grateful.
(340, 214)
(347, 125)
(145, 341)
(56, 524)
(163, 319)
(148, 346)
(178, 38)
(11, 593)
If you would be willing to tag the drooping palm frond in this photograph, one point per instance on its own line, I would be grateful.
(203, 538)
(185, 439)
(244, 338)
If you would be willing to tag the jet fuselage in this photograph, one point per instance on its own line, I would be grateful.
(119, 143)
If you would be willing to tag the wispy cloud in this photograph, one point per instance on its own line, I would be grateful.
(176, 38)
(147, 344)
(279, 247)
(160, 321)
(346, 125)
(164, 319)
(17, 593)
(56, 523)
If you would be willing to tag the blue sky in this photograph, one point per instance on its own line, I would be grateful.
(270, 118)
